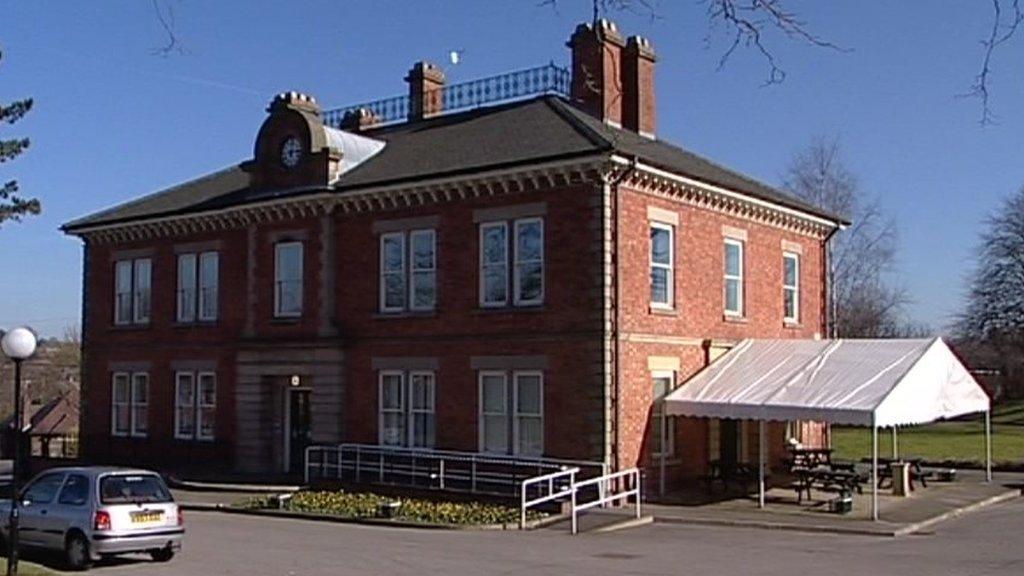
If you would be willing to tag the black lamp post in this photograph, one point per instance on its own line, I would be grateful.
(19, 345)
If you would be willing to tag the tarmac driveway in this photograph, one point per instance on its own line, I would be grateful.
(987, 542)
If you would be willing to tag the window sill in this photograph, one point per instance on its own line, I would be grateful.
(507, 309)
(286, 320)
(405, 314)
(733, 319)
(195, 324)
(662, 311)
(130, 327)
(791, 325)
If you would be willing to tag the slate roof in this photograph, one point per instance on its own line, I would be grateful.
(542, 129)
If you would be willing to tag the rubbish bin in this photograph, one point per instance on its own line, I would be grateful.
(901, 479)
(841, 504)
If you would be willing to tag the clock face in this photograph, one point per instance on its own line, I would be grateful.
(291, 152)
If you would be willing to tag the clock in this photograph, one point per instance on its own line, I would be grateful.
(291, 152)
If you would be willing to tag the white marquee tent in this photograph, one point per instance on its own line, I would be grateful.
(876, 383)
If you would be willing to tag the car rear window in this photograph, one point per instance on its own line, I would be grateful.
(133, 489)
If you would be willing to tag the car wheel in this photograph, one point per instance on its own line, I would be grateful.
(162, 555)
(76, 552)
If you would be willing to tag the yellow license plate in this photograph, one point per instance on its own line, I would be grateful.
(146, 517)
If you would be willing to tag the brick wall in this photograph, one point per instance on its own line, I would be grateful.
(698, 319)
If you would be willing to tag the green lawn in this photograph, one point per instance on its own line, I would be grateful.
(960, 441)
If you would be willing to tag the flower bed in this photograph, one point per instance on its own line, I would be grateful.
(363, 505)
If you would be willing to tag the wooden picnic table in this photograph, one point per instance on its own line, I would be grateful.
(826, 479)
(809, 457)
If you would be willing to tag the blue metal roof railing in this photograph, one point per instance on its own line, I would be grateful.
(547, 79)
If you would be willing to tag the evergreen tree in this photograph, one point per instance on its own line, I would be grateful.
(12, 205)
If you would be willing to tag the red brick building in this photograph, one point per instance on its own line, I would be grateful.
(519, 277)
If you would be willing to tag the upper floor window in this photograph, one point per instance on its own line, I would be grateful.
(791, 286)
(662, 265)
(288, 279)
(198, 278)
(408, 271)
(733, 277)
(525, 258)
(406, 401)
(512, 417)
(129, 402)
(132, 291)
(195, 405)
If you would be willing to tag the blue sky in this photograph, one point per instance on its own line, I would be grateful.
(113, 121)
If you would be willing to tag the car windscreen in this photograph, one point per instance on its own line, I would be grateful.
(133, 489)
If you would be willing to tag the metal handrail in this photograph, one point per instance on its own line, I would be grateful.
(607, 492)
(551, 480)
(435, 469)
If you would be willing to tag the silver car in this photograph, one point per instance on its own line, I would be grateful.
(92, 512)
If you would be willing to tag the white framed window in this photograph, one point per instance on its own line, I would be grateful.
(511, 412)
(132, 291)
(140, 404)
(528, 281)
(494, 422)
(143, 290)
(528, 426)
(186, 287)
(662, 265)
(209, 285)
(791, 287)
(392, 408)
(493, 264)
(733, 277)
(195, 405)
(184, 405)
(423, 269)
(288, 279)
(392, 272)
(523, 253)
(422, 422)
(408, 271)
(662, 432)
(407, 408)
(120, 404)
(206, 412)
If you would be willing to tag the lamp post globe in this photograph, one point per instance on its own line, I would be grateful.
(19, 344)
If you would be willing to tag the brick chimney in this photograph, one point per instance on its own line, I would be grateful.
(358, 120)
(597, 70)
(425, 96)
(639, 110)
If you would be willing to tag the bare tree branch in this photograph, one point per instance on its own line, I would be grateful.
(748, 21)
(165, 16)
(999, 34)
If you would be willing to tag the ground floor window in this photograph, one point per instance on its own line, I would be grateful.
(129, 404)
(662, 431)
(407, 410)
(512, 412)
(195, 405)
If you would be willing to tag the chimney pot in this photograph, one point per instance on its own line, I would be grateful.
(358, 120)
